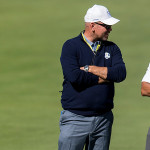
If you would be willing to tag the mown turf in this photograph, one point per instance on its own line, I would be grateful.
(31, 36)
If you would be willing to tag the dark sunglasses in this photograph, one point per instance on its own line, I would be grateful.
(104, 25)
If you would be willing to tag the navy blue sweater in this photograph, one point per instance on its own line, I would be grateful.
(81, 92)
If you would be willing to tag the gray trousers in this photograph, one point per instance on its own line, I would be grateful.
(148, 140)
(77, 130)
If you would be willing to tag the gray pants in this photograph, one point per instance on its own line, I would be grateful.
(148, 140)
(77, 130)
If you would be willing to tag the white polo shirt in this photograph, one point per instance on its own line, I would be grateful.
(146, 77)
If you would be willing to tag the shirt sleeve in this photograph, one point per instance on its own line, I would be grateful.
(71, 68)
(146, 77)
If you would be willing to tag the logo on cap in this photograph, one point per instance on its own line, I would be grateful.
(107, 55)
(108, 13)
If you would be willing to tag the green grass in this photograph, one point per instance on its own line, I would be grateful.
(31, 36)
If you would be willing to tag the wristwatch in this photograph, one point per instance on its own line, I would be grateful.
(86, 68)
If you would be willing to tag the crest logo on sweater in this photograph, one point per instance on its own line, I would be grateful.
(107, 55)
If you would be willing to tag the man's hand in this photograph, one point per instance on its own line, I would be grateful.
(102, 80)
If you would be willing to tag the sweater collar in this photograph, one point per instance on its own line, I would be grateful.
(80, 35)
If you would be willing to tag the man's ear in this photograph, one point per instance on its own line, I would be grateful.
(92, 25)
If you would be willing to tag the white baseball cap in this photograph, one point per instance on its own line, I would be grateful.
(100, 13)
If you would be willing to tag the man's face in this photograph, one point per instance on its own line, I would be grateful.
(102, 31)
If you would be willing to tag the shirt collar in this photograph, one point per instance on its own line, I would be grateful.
(91, 43)
(88, 40)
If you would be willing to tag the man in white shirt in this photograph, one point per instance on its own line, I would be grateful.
(145, 88)
(145, 91)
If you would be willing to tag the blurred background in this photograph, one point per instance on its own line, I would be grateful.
(32, 33)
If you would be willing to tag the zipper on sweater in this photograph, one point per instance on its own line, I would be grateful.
(93, 59)
(95, 53)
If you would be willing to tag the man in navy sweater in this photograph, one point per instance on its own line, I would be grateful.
(90, 65)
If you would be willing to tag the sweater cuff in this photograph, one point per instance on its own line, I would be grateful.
(109, 74)
(95, 79)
